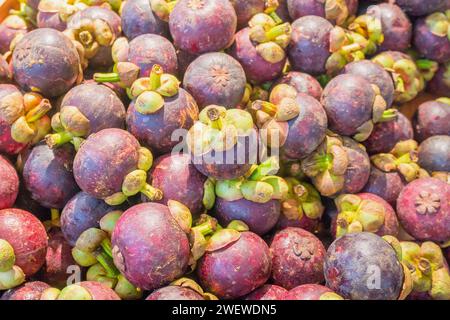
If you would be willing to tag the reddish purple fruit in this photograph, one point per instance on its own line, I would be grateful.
(138, 18)
(149, 247)
(312, 292)
(432, 119)
(386, 185)
(421, 8)
(5, 71)
(358, 170)
(81, 213)
(88, 290)
(48, 176)
(424, 210)
(45, 60)
(337, 13)
(27, 235)
(215, 78)
(440, 84)
(9, 184)
(268, 292)
(363, 266)
(246, 9)
(236, 269)
(174, 293)
(302, 82)
(203, 26)
(431, 39)
(29, 291)
(11, 27)
(54, 14)
(179, 180)
(434, 154)
(297, 258)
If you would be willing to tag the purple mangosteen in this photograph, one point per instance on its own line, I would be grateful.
(335, 11)
(312, 292)
(9, 184)
(434, 154)
(267, 292)
(432, 119)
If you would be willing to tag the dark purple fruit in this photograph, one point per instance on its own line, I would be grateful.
(215, 78)
(337, 12)
(386, 185)
(45, 60)
(267, 292)
(431, 37)
(433, 118)
(55, 14)
(9, 184)
(11, 27)
(312, 292)
(302, 82)
(246, 9)
(420, 7)
(203, 26)
(363, 266)
(440, 84)
(434, 154)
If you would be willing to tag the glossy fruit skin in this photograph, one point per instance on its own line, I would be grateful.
(145, 238)
(358, 171)
(305, 223)
(99, 291)
(302, 8)
(310, 44)
(302, 82)
(386, 185)
(420, 8)
(237, 269)
(354, 259)
(27, 235)
(432, 118)
(260, 217)
(215, 78)
(267, 292)
(385, 135)
(297, 258)
(428, 226)
(46, 60)
(28, 291)
(48, 176)
(429, 45)
(57, 260)
(307, 130)
(307, 292)
(103, 161)
(103, 57)
(81, 213)
(397, 29)
(99, 104)
(155, 130)
(257, 69)
(348, 101)
(9, 184)
(434, 153)
(11, 27)
(375, 74)
(174, 293)
(179, 180)
(149, 49)
(440, 85)
(246, 9)
(200, 27)
(138, 18)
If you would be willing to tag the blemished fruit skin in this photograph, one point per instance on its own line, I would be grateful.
(99, 291)
(432, 119)
(215, 78)
(9, 184)
(138, 18)
(260, 217)
(155, 130)
(386, 185)
(424, 210)
(48, 176)
(257, 69)
(179, 180)
(237, 269)
(301, 8)
(297, 258)
(103, 161)
(420, 7)
(27, 235)
(385, 135)
(29, 291)
(203, 26)
(307, 292)
(434, 154)
(268, 292)
(302, 82)
(429, 45)
(46, 60)
(81, 213)
(363, 266)
(145, 238)
(149, 49)
(174, 293)
(310, 44)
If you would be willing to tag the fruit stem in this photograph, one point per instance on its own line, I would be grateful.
(265, 106)
(276, 17)
(155, 77)
(107, 246)
(206, 227)
(58, 139)
(277, 31)
(108, 264)
(268, 167)
(151, 192)
(39, 111)
(389, 115)
(425, 64)
(215, 118)
(107, 77)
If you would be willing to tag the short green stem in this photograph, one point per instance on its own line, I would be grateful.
(151, 192)
(58, 139)
(389, 115)
(39, 111)
(155, 77)
(107, 246)
(277, 31)
(107, 77)
(276, 17)
(108, 264)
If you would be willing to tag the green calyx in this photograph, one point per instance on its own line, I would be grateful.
(163, 8)
(371, 29)
(7, 256)
(109, 220)
(74, 292)
(125, 73)
(439, 24)
(50, 294)
(209, 194)
(302, 200)
(25, 12)
(68, 124)
(10, 275)
(337, 10)
(327, 165)
(330, 296)
(199, 235)
(191, 284)
(357, 215)
(428, 269)
(428, 68)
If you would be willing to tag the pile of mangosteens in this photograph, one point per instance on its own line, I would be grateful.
(225, 149)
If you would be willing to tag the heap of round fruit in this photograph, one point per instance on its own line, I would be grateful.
(225, 149)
